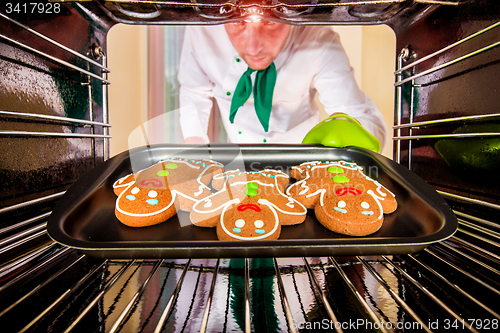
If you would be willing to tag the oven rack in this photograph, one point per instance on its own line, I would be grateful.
(59, 45)
(450, 283)
(50, 40)
(418, 71)
(92, 129)
(405, 55)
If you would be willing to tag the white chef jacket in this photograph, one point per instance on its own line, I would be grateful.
(312, 60)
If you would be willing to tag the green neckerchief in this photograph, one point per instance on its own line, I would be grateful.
(262, 93)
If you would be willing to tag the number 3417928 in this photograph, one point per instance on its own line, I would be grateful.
(485, 324)
(32, 8)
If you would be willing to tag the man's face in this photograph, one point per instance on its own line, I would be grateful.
(258, 42)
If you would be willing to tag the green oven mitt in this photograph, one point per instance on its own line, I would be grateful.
(341, 130)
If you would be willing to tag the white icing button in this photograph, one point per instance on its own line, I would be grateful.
(365, 205)
(135, 190)
(341, 204)
(239, 223)
(152, 194)
(258, 224)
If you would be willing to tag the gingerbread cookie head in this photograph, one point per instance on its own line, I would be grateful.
(153, 195)
(249, 221)
(344, 199)
(353, 213)
(250, 206)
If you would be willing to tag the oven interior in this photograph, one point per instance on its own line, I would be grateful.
(55, 128)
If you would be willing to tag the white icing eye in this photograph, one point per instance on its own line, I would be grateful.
(208, 204)
(135, 190)
(341, 204)
(258, 224)
(239, 223)
(365, 205)
(152, 194)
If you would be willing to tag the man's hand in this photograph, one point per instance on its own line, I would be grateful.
(194, 140)
(341, 130)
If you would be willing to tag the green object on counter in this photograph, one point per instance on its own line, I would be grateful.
(341, 130)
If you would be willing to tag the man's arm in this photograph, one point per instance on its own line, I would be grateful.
(339, 93)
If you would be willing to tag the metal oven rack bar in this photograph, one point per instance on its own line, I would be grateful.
(25, 248)
(476, 242)
(404, 55)
(50, 40)
(25, 204)
(304, 293)
(29, 217)
(48, 56)
(412, 125)
(57, 119)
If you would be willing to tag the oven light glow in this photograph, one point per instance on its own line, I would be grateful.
(252, 14)
(253, 10)
(253, 19)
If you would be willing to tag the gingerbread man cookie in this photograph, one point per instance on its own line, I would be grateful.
(248, 206)
(153, 195)
(344, 199)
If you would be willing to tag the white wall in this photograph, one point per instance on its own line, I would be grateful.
(127, 60)
(377, 74)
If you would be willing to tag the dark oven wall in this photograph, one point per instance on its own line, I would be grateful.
(53, 111)
(447, 104)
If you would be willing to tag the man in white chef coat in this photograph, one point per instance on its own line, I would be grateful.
(264, 77)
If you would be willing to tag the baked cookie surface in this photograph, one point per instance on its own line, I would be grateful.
(248, 206)
(153, 195)
(344, 199)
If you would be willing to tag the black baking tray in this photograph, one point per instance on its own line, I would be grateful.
(84, 217)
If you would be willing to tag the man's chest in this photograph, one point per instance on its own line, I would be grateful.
(293, 82)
